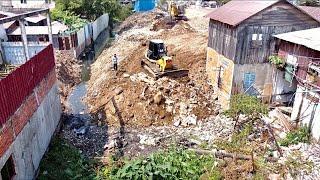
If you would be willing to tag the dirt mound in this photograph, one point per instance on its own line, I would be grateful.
(137, 103)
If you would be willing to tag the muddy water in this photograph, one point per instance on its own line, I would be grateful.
(75, 100)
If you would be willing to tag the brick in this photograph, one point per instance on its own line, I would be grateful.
(24, 113)
(45, 85)
(6, 138)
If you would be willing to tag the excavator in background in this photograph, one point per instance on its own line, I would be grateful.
(158, 63)
(176, 11)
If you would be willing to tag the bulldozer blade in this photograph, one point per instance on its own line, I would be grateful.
(179, 73)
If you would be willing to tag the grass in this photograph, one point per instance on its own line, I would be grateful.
(65, 162)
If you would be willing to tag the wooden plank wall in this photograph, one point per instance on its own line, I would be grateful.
(235, 43)
(279, 18)
(222, 38)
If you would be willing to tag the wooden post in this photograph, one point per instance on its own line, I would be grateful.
(24, 39)
(49, 28)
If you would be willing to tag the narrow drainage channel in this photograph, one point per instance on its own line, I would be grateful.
(80, 118)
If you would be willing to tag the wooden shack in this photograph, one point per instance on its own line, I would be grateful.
(241, 40)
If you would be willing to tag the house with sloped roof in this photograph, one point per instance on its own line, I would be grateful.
(300, 50)
(241, 41)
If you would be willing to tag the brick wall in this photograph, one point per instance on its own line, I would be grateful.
(11, 129)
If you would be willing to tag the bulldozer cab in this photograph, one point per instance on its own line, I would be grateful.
(156, 49)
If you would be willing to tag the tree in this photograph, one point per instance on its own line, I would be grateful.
(92, 9)
(249, 106)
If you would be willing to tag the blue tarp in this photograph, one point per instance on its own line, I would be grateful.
(144, 5)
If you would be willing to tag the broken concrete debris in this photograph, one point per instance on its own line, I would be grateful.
(156, 113)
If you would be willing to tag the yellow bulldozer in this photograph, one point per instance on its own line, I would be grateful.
(158, 63)
(176, 11)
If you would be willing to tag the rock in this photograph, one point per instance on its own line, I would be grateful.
(147, 140)
(158, 98)
(81, 131)
(99, 116)
(189, 120)
(118, 91)
(274, 177)
(194, 141)
(125, 75)
(110, 145)
(169, 109)
(177, 123)
(275, 154)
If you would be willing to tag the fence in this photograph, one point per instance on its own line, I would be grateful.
(14, 51)
(19, 84)
(99, 25)
(78, 40)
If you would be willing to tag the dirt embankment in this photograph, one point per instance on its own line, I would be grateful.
(68, 73)
(136, 101)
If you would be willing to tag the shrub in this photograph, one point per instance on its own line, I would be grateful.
(301, 135)
(277, 61)
(170, 164)
(246, 105)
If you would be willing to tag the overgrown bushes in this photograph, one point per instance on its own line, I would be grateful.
(300, 135)
(73, 12)
(65, 162)
(171, 164)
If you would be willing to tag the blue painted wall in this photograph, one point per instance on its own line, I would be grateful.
(144, 5)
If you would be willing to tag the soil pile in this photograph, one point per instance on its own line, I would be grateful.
(137, 102)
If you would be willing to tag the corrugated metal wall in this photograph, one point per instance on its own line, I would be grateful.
(14, 51)
(19, 84)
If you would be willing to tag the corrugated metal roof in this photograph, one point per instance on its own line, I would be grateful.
(312, 11)
(41, 30)
(236, 11)
(36, 19)
(309, 38)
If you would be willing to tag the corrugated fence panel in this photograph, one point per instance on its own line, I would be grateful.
(19, 84)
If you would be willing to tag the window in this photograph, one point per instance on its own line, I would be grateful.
(256, 40)
(8, 171)
(23, 1)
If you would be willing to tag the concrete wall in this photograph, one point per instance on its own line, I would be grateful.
(261, 77)
(30, 137)
(308, 105)
(13, 52)
(218, 65)
(99, 25)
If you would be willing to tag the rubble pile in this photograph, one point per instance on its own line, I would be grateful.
(138, 102)
(142, 141)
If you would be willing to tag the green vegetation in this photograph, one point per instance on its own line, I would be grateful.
(238, 143)
(171, 164)
(249, 106)
(300, 135)
(295, 163)
(65, 162)
(277, 61)
(91, 9)
(68, 18)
